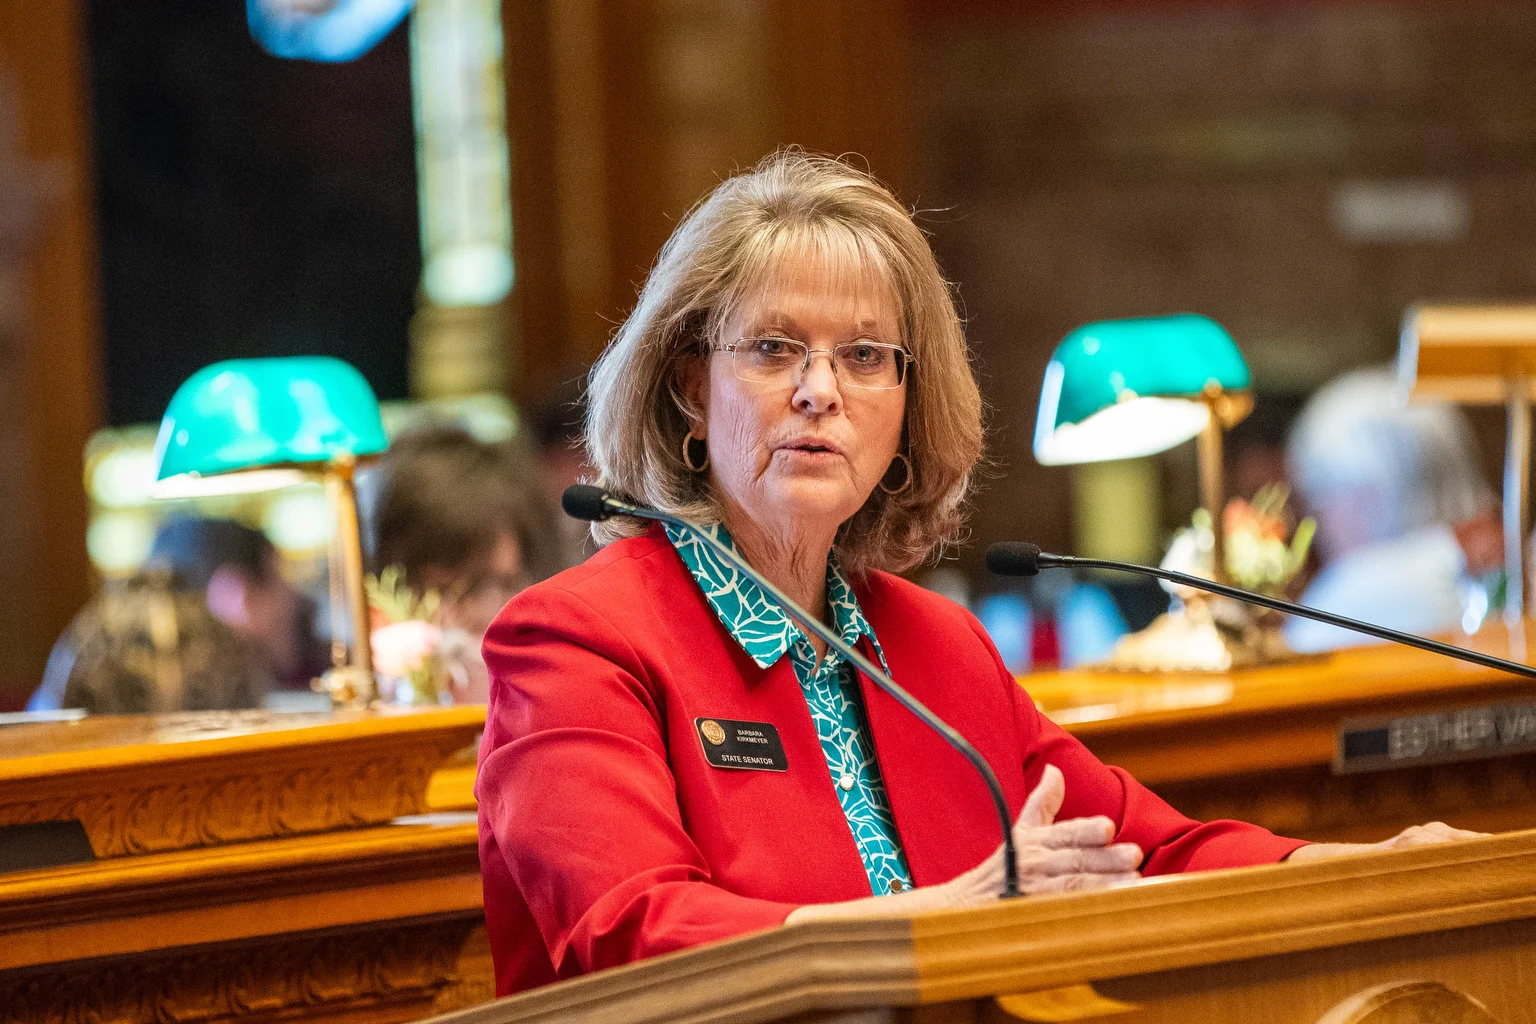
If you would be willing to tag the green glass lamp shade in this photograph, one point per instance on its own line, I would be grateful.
(1121, 389)
(266, 414)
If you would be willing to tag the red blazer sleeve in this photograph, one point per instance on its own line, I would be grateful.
(1171, 842)
(574, 782)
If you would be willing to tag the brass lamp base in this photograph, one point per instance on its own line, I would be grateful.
(1204, 635)
(348, 686)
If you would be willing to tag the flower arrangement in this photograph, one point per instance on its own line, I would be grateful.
(407, 642)
(1207, 633)
(1258, 556)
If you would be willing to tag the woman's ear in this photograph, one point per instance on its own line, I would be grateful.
(691, 389)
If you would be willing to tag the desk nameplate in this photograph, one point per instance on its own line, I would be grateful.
(1436, 737)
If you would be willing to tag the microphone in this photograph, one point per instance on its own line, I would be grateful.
(1020, 558)
(592, 504)
(583, 501)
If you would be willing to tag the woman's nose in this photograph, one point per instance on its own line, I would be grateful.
(817, 390)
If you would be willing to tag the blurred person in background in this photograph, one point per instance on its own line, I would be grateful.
(1254, 449)
(230, 569)
(240, 574)
(467, 520)
(556, 428)
(151, 645)
(1405, 520)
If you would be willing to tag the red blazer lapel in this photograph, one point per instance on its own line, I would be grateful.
(944, 813)
(768, 823)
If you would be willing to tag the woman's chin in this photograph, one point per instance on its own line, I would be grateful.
(811, 499)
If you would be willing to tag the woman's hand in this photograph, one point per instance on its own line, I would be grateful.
(1432, 834)
(1054, 856)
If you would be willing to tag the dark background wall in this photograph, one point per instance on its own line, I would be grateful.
(1156, 158)
(248, 206)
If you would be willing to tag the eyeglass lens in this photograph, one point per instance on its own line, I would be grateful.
(860, 364)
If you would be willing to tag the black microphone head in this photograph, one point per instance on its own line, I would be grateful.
(1014, 558)
(583, 501)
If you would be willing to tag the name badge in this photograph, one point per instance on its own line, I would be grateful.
(750, 746)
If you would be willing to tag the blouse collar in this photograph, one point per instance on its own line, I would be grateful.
(758, 624)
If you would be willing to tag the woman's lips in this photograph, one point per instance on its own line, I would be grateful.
(809, 454)
(811, 446)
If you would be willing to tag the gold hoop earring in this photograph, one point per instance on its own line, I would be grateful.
(906, 477)
(703, 462)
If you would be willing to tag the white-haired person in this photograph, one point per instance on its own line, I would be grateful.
(1405, 518)
(793, 377)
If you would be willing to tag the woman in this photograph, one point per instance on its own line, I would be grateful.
(795, 376)
(466, 520)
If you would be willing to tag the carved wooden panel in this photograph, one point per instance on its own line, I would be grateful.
(474, 977)
(386, 974)
(208, 811)
(150, 784)
(1409, 1002)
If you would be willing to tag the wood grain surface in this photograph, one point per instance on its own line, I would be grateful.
(251, 867)
(372, 924)
(1370, 679)
(1357, 919)
(1259, 745)
(151, 784)
(104, 741)
(189, 897)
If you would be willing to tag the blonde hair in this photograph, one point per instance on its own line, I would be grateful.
(723, 250)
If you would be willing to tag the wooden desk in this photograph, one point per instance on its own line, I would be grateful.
(1259, 744)
(452, 787)
(1414, 935)
(250, 867)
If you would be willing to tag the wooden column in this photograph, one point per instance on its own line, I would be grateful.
(50, 376)
(623, 114)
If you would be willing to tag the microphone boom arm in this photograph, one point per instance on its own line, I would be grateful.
(871, 671)
(1341, 621)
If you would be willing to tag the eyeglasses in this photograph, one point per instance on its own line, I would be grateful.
(870, 365)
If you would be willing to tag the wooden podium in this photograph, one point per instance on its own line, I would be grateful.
(1438, 935)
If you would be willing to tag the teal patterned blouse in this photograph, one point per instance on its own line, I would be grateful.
(831, 691)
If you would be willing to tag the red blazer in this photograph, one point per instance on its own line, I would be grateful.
(606, 837)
